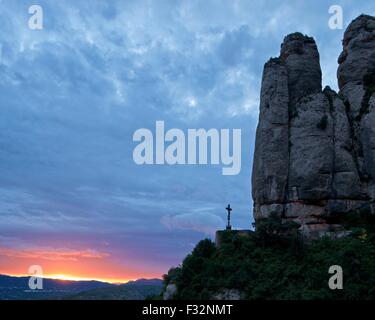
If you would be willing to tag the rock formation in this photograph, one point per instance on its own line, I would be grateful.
(314, 155)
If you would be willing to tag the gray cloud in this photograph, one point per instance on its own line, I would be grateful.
(204, 222)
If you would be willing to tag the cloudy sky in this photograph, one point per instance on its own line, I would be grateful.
(71, 96)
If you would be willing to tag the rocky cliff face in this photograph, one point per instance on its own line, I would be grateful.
(315, 149)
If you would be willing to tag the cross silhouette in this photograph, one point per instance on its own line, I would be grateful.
(229, 209)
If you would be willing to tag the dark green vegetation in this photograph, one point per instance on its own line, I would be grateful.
(328, 92)
(17, 288)
(293, 112)
(274, 263)
(322, 124)
(121, 292)
(369, 87)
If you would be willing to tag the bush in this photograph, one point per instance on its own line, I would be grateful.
(274, 263)
(369, 87)
(322, 124)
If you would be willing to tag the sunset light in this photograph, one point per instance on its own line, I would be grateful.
(164, 151)
(67, 277)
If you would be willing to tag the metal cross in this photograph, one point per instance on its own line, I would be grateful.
(229, 209)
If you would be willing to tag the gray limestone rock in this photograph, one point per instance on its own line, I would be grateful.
(311, 149)
(271, 148)
(358, 55)
(303, 78)
(367, 136)
(314, 154)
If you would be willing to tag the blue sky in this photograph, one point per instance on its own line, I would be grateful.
(72, 95)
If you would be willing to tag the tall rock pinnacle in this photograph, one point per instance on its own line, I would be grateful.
(303, 78)
(315, 150)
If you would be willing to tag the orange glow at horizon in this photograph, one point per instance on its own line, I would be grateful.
(71, 277)
(74, 278)
(84, 266)
(66, 277)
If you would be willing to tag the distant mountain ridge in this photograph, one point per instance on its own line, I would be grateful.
(16, 288)
(143, 281)
(132, 290)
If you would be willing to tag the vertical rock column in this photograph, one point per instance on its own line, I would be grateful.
(356, 77)
(270, 166)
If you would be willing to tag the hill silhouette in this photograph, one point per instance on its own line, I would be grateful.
(16, 288)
